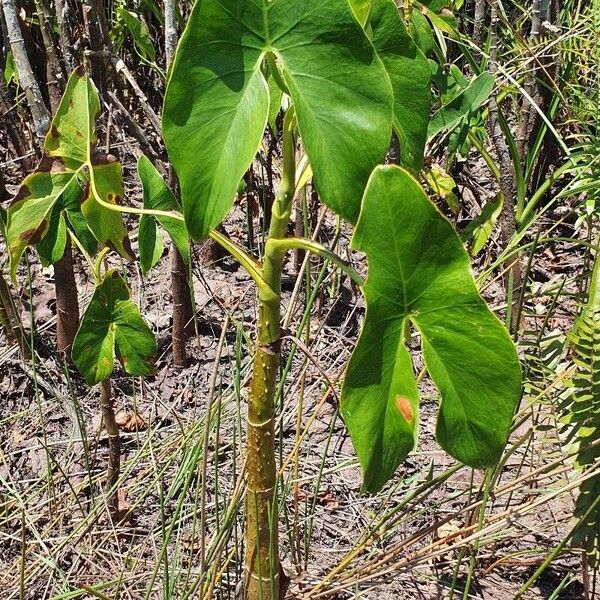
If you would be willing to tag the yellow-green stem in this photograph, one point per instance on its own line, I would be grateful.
(262, 556)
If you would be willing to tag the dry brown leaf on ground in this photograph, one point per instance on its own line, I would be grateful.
(130, 421)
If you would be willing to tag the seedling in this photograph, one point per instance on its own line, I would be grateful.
(73, 197)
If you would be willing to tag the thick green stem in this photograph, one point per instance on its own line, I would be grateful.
(262, 556)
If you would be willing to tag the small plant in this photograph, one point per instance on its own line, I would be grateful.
(71, 198)
(346, 93)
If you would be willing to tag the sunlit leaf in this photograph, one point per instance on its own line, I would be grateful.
(60, 187)
(419, 274)
(139, 31)
(478, 231)
(112, 326)
(158, 196)
(473, 97)
(217, 101)
(409, 72)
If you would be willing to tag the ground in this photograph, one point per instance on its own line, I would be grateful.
(432, 530)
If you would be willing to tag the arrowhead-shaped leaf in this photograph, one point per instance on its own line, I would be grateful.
(112, 326)
(107, 225)
(217, 101)
(410, 74)
(37, 214)
(419, 274)
(158, 196)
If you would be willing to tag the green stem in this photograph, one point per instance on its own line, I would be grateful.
(316, 248)
(535, 198)
(262, 557)
(131, 210)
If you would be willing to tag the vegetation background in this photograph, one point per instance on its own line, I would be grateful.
(512, 159)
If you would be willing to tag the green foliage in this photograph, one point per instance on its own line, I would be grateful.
(139, 32)
(419, 274)
(64, 190)
(157, 195)
(471, 98)
(112, 325)
(479, 230)
(10, 70)
(217, 101)
(581, 414)
(409, 72)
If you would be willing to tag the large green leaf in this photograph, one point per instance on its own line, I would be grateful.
(56, 190)
(410, 74)
(112, 325)
(158, 196)
(419, 274)
(217, 100)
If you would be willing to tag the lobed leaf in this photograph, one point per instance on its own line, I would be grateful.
(409, 73)
(112, 326)
(54, 195)
(419, 274)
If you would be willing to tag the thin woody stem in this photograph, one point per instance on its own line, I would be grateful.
(114, 449)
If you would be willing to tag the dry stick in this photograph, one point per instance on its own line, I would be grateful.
(14, 330)
(61, 9)
(54, 73)
(507, 220)
(133, 127)
(94, 19)
(479, 22)
(114, 449)
(525, 116)
(67, 305)
(27, 80)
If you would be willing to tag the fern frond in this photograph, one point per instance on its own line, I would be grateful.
(581, 413)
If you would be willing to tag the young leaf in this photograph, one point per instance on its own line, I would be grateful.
(139, 31)
(217, 101)
(419, 273)
(112, 325)
(480, 228)
(473, 97)
(157, 195)
(409, 72)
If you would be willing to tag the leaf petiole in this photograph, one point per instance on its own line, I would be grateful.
(283, 244)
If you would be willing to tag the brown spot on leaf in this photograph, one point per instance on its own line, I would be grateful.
(33, 236)
(404, 408)
(54, 132)
(80, 71)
